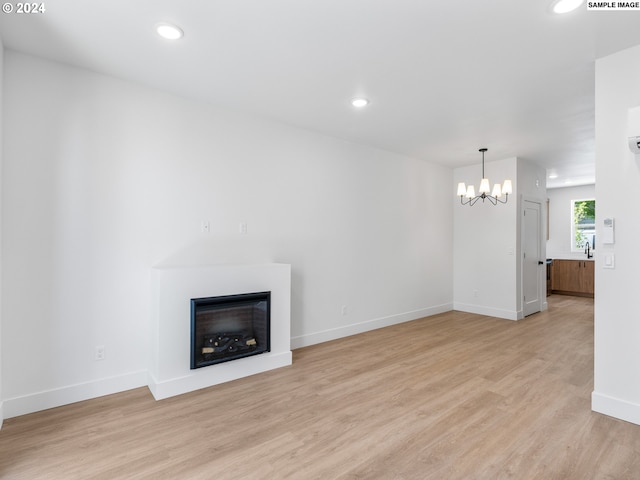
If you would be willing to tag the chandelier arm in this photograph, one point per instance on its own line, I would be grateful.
(472, 201)
(462, 201)
(494, 200)
(506, 197)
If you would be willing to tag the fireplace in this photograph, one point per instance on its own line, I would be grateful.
(174, 287)
(229, 327)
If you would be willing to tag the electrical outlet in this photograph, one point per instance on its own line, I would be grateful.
(100, 352)
(475, 294)
(242, 228)
(344, 310)
(205, 226)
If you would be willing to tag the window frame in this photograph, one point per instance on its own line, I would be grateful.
(590, 226)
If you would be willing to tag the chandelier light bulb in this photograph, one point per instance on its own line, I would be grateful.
(484, 186)
(471, 191)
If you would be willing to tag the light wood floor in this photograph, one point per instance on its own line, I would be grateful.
(454, 396)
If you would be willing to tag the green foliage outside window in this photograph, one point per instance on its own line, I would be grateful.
(584, 223)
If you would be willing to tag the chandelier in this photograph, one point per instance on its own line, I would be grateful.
(470, 193)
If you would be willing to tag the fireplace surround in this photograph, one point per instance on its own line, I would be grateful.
(172, 290)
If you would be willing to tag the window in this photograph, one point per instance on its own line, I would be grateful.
(583, 225)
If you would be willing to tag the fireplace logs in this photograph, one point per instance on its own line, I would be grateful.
(223, 343)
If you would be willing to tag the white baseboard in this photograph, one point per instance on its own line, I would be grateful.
(615, 407)
(209, 376)
(353, 329)
(35, 402)
(488, 311)
(22, 405)
(1, 414)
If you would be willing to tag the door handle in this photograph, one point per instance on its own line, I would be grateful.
(540, 262)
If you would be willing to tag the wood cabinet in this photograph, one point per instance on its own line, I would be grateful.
(573, 277)
(588, 285)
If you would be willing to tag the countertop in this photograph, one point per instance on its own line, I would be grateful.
(581, 257)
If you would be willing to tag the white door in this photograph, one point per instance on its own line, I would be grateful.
(532, 264)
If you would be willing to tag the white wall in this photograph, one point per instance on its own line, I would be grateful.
(487, 240)
(104, 179)
(560, 218)
(485, 244)
(532, 185)
(1, 210)
(617, 329)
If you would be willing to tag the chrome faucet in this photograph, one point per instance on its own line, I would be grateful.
(588, 250)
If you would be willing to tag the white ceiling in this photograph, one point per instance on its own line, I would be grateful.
(444, 78)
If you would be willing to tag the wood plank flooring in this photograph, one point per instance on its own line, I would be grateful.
(453, 396)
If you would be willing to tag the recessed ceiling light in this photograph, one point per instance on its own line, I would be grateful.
(565, 6)
(359, 102)
(168, 31)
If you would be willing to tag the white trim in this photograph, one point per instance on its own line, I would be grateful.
(1, 414)
(367, 325)
(57, 397)
(615, 407)
(489, 311)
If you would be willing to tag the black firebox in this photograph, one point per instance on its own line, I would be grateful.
(229, 327)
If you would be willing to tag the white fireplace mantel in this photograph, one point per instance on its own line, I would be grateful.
(172, 291)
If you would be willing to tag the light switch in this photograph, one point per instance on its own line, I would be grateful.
(609, 260)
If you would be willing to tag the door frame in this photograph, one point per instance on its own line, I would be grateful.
(543, 249)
